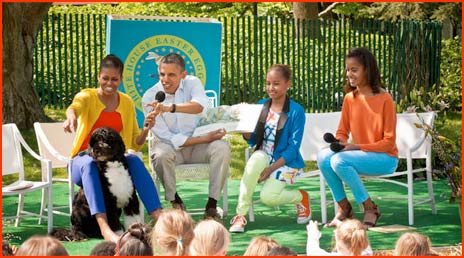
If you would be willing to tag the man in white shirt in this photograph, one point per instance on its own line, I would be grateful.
(179, 115)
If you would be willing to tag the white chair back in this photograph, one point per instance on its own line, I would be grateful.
(12, 155)
(54, 144)
(317, 124)
(407, 134)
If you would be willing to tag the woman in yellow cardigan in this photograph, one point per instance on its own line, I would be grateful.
(105, 106)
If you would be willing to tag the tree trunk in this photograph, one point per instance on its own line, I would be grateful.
(20, 103)
(303, 11)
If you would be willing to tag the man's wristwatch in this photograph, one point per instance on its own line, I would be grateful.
(173, 108)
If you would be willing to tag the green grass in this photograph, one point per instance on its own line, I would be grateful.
(444, 228)
(449, 125)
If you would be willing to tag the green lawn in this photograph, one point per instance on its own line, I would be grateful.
(444, 228)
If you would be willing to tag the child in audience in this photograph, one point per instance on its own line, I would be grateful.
(281, 251)
(173, 233)
(105, 248)
(7, 250)
(412, 244)
(350, 240)
(276, 160)
(42, 246)
(260, 245)
(135, 247)
(135, 241)
(211, 239)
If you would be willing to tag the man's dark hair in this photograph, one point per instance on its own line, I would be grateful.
(173, 58)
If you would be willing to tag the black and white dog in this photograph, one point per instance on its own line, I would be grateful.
(107, 149)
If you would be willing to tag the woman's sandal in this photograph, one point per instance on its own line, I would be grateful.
(371, 217)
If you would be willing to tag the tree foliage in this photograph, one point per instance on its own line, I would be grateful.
(394, 11)
(180, 9)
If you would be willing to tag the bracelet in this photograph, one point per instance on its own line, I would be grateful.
(173, 108)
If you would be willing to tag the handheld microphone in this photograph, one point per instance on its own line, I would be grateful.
(336, 147)
(160, 97)
(329, 138)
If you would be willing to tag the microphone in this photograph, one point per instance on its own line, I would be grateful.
(336, 147)
(329, 138)
(160, 97)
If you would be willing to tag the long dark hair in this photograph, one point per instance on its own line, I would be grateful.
(367, 59)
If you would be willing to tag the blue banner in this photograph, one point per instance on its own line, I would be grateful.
(140, 44)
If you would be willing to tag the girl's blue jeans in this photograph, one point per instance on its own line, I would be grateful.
(84, 173)
(346, 167)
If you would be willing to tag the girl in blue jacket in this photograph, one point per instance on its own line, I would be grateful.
(276, 159)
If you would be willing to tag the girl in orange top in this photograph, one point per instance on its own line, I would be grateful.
(369, 114)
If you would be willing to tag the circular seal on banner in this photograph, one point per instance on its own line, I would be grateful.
(141, 65)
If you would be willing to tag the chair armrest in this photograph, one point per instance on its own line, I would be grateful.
(419, 143)
(29, 149)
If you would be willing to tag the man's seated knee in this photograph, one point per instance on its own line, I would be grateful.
(163, 156)
(220, 147)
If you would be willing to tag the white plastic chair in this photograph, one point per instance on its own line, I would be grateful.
(56, 145)
(197, 171)
(412, 143)
(12, 163)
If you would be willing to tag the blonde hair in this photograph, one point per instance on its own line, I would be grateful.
(211, 237)
(173, 232)
(412, 244)
(352, 235)
(42, 246)
(260, 245)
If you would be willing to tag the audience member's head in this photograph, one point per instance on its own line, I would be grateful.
(211, 239)
(135, 247)
(260, 245)
(6, 249)
(135, 241)
(351, 237)
(281, 251)
(105, 248)
(173, 233)
(42, 246)
(412, 244)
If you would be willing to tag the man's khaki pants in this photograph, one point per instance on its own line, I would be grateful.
(217, 154)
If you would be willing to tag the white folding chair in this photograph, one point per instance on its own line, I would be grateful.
(56, 145)
(12, 163)
(197, 171)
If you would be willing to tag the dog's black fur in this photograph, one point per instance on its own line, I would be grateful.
(105, 145)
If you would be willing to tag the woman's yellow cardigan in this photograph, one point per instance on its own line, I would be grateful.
(88, 108)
